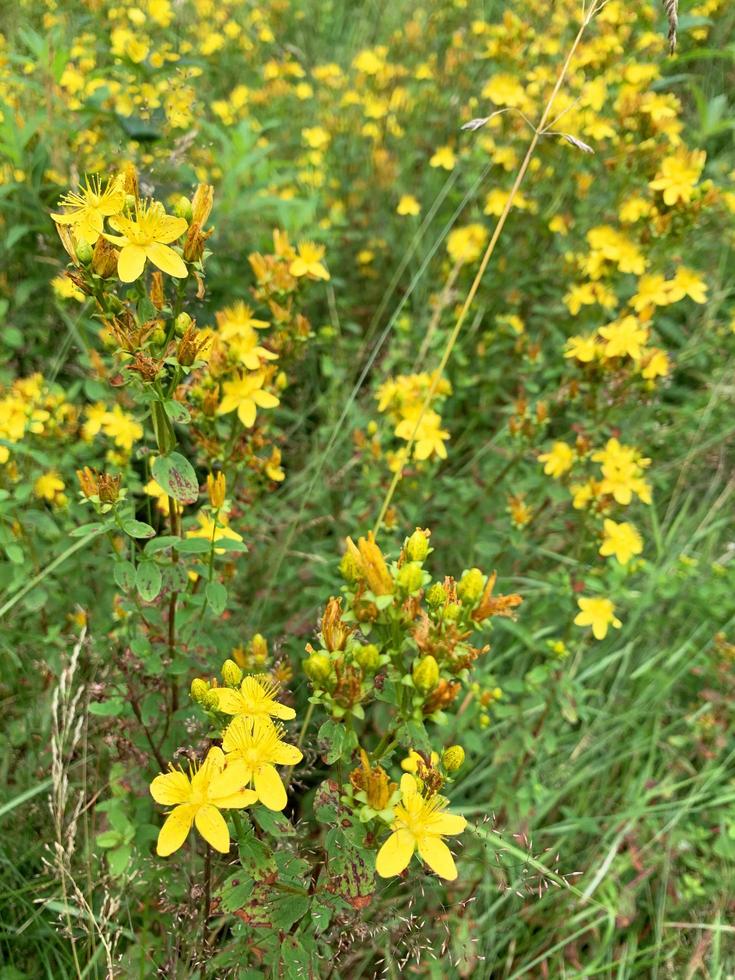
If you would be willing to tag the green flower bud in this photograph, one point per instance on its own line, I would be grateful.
(417, 546)
(471, 585)
(318, 668)
(199, 690)
(410, 577)
(231, 673)
(349, 568)
(130, 202)
(425, 674)
(158, 336)
(183, 320)
(84, 252)
(183, 208)
(453, 758)
(451, 612)
(436, 595)
(368, 657)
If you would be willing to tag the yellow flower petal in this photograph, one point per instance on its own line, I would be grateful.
(169, 228)
(394, 855)
(437, 855)
(212, 826)
(171, 788)
(246, 412)
(228, 701)
(408, 785)
(245, 797)
(175, 829)
(269, 788)
(446, 823)
(131, 262)
(167, 260)
(230, 781)
(287, 755)
(265, 399)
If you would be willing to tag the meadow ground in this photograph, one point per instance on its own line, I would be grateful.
(366, 489)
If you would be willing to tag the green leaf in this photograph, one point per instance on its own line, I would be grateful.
(162, 542)
(176, 475)
(216, 597)
(273, 823)
(15, 554)
(228, 544)
(138, 529)
(85, 529)
(118, 859)
(176, 411)
(108, 838)
(124, 575)
(334, 740)
(148, 580)
(107, 709)
(194, 546)
(289, 909)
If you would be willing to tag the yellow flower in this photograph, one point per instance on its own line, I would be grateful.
(655, 364)
(622, 469)
(412, 760)
(678, 176)
(258, 744)
(246, 394)
(444, 157)
(255, 698)
(419, 822)
(198, 798)
(558, 460)
(653, 290)
(599, 614)
(624, 337)
(466, 244)
(308, 262)
(273, 469)
(429, 436)
(148, 236)
(584, 348)
(408, 205)
(212, 530)
(688, 283)
(89, 206)
(621, 540)
(49, 486)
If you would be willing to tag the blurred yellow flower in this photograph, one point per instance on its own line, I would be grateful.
(598, 613)
(621, 541)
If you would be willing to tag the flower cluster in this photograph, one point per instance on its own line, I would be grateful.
(240, 773)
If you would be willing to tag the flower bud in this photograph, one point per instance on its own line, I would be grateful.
(104, 258)
(157, 295)
(318, 667)
(231, 673)
(471, 585)
(453, 758)
(368, 657)
(417, 546)
(259, 646)
(436, 595)
(216, 488)
(199, 690)
(183, 322)
(410, 577)
(183, 209)
(425, 674)
(84, 252)
(130, 202)
(349, 567)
